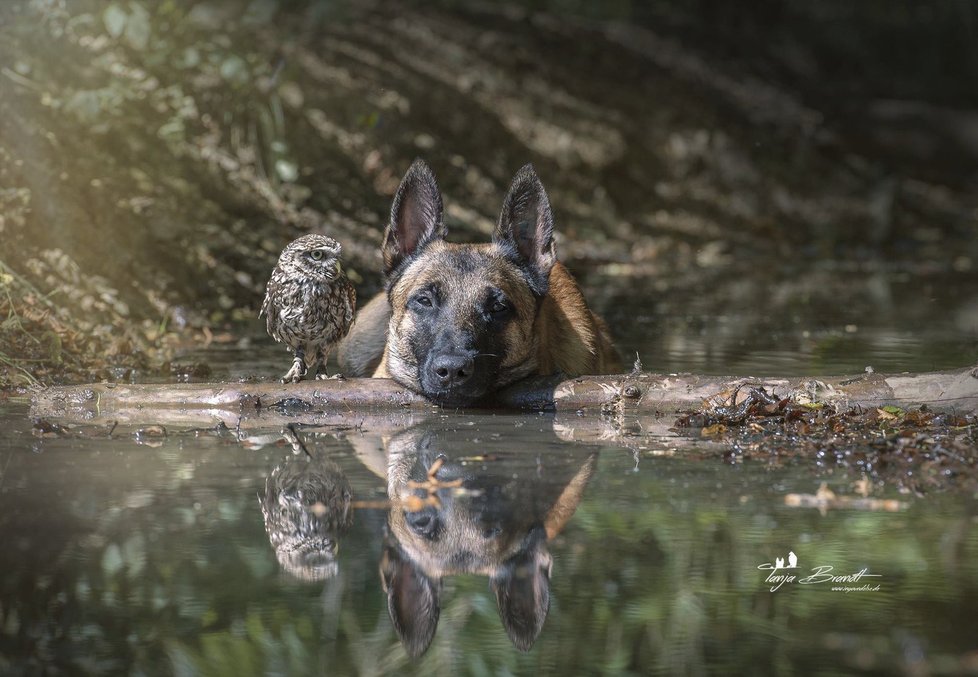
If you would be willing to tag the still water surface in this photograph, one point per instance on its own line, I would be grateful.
(183, 554)
(798, 321)
(338, 550)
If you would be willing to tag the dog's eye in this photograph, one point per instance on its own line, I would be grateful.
(316, 254)
(497, 307)
(423, 300)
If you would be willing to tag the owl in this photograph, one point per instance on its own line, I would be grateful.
(309, 303)
(307, 509)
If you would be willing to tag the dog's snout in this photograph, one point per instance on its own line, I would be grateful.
(423, 522)
(452, 369)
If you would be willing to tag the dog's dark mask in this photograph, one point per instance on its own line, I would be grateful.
(462, 314)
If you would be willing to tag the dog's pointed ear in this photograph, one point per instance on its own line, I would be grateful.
(412, 599)
(522, 588)
(416, 216)
(526, 225)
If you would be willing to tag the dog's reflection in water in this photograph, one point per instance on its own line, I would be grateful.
(306, 506)
(456, 514)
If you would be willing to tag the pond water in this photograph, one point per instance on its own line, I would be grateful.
(814, 320)
(129, 551)
(796, 321)
(474, 543)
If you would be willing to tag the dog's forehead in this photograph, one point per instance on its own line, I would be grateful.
(463, 272)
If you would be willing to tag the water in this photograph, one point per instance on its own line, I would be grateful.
(810, 320)
(797, 321)
(134, 553)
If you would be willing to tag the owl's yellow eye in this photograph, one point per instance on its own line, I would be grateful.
(316, 254)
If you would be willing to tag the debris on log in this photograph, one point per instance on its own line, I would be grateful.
(615, 395)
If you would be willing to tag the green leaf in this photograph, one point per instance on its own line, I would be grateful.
(112, 561)
(234, 70)
(890, 409)
(137, 27)
(114, 18)
(287, 171)
(84, 104)
(259, 12)
(172, 130)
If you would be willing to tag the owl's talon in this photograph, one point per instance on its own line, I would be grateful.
(295, 374)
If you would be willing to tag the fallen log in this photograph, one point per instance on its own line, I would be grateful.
(638, 393)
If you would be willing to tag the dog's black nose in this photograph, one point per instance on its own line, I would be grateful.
(452, 370)
(423, 522)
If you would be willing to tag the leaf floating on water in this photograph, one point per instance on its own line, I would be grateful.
(151, 436)
(825, 499)
(863, 487)
(918, 450)
(713, 430)
(824, 493)
(44, 428)
(889, 413)
(918, 419)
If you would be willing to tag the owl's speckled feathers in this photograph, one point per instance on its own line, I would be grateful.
(309, 303)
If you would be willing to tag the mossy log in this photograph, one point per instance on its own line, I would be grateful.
(639, 393)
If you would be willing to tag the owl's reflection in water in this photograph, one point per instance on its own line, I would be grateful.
(307, 507)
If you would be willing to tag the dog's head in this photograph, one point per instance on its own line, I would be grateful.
(448, 518)
(462, 316)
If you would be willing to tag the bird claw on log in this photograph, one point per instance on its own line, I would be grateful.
(297, 372)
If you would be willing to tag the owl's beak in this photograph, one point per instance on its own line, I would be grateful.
(339, 268)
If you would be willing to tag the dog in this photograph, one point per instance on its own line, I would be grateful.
(448, 518)
(459, 321)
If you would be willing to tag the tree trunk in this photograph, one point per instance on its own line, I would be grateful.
(349, 399)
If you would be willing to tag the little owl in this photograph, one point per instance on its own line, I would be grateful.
(309, 303)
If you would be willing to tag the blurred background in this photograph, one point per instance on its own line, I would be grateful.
(781, 187)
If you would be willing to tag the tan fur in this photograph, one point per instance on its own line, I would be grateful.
(568, 337)
(461, 320)
(439, 526)
(573, 340)
(462, 532)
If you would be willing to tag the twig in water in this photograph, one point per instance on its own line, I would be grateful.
(292, 435)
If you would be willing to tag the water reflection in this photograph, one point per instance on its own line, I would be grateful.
(452, 509)
(122, 558)
(306, 506)
(455, 511)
